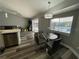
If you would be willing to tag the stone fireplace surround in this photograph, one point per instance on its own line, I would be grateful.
(9, 31)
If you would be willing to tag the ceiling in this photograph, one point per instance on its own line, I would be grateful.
(28, 8)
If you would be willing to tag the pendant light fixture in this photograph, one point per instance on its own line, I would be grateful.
(48, 15)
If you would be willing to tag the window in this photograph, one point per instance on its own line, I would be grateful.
(35, 25)
(61, 24)
(55, 24)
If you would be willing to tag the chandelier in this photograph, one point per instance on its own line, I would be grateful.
(48, 15)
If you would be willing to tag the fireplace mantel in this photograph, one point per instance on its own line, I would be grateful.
(9, 31)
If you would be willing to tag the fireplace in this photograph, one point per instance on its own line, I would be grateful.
(10, 39)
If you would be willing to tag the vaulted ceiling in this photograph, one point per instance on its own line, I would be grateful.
(28, 8)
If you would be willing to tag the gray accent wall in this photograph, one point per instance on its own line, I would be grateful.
(44, 24)
(75, 32)
(12, 20)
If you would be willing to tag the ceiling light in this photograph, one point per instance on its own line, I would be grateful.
(6, 15)
(48, 15)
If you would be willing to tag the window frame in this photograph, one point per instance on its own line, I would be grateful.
(59, 22)
(34, 22)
